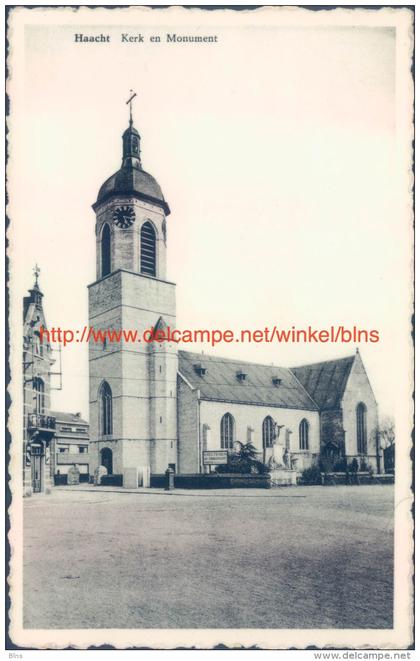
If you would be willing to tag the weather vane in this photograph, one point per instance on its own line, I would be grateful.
(130, 101)
(36, 271)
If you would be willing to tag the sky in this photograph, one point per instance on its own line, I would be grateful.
(278, 149)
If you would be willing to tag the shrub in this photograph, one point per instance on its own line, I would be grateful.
(238, 464)
(311, 475)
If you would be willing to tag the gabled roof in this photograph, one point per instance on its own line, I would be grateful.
(220, 382)
(325, 382)
(74, 418)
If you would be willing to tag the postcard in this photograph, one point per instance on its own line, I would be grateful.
(210, 281)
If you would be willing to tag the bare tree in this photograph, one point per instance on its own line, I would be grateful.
(386, 431)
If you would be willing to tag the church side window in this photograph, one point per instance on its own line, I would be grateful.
(106, 251)
(39, 395)
(361, 428)
(148, 249)
(227, 431)
(105, 402)
(304, 435)
(268, 432)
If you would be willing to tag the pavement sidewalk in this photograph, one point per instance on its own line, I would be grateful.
(295, 492)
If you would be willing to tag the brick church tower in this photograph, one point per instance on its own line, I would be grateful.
(132, 386)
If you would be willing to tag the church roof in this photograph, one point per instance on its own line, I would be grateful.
(135, 182)
(325, 382)
(219, 379)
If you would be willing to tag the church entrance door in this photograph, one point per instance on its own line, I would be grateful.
(106, 459)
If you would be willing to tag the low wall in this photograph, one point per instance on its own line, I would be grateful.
(61, 479)
(111, 481)
(330, 479)
(216, 481)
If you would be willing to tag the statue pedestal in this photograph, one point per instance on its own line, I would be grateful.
(283, 477)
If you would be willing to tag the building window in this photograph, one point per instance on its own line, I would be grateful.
(304, 435)
(361, 428)
(82, 449)
(268, 432)
(106, 251)
(148, 249)
(39, 395)
(105, 405)
(227, 431)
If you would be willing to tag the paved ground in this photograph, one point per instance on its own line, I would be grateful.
(303, 557)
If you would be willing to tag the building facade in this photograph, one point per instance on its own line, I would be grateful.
(38, 422)
(152, 406)
(52, 440)
(69, 446)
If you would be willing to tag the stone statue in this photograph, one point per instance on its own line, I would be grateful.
(73, 475)
(98, 474)
(279, 447)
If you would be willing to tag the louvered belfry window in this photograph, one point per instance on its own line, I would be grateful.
(106, 251)
(148, 249)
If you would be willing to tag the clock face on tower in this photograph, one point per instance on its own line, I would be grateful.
(124, 217)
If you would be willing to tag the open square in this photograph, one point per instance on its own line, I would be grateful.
(304, 557)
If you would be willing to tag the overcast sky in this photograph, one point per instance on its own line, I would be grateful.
(276, 150)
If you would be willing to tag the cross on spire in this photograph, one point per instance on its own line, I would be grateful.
(36, 271)
(130, 101)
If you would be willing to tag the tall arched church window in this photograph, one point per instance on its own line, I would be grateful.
(268, 432)
(227, 431)
(105, 409)
(304, 435)
(361, 428)
(39, 389)
(148, 249)
(105, 251)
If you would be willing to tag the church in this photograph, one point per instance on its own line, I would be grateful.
(154, 405)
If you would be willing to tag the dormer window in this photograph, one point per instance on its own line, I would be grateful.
(241, 376)
(276, 381)
(199, 369)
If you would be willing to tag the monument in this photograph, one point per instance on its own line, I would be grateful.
(281, 473)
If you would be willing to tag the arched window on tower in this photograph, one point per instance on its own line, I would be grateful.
(227, 431)
(268, 432)
(105, 251)
(39, 389)
(105, 409)
(148, 249)
(304, 435)
(361, 428)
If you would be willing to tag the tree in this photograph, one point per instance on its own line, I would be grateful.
(247, 451)
(386, 432)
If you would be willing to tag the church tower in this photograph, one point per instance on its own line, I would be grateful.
(132, 384)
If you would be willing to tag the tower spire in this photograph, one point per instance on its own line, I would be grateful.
(36, 271)
(131, 140)
(35, 292)
(130, 101)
